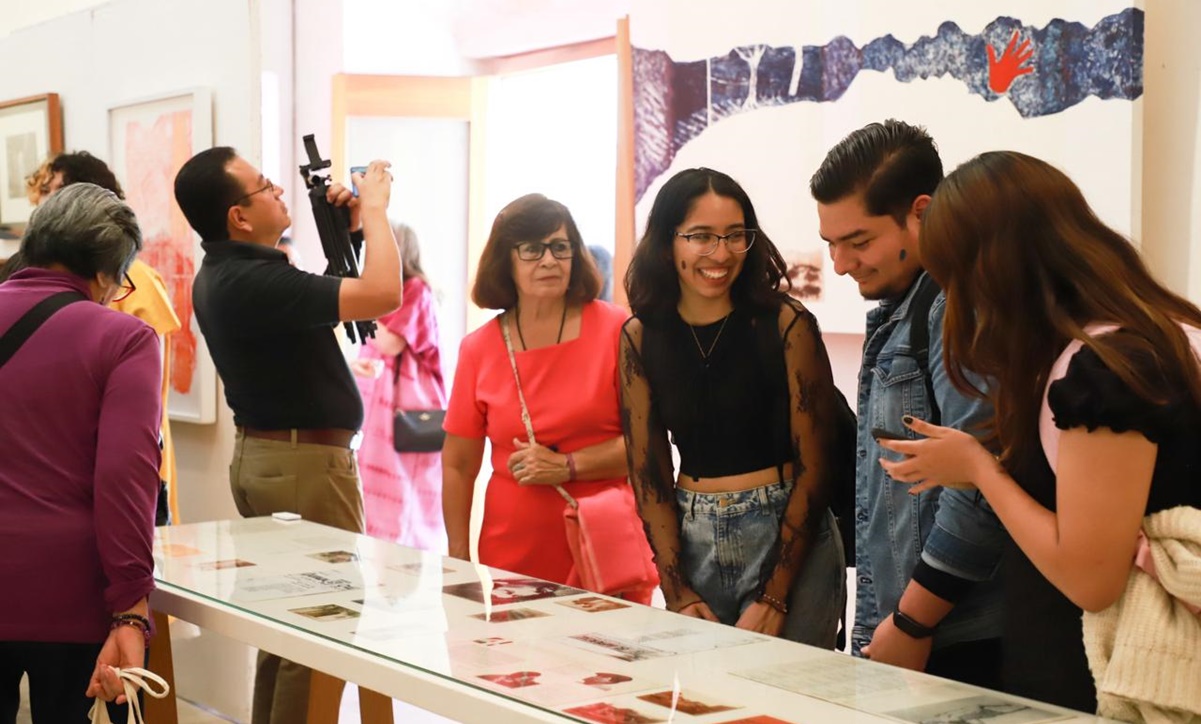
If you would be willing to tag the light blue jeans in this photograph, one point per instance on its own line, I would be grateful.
(725, 539)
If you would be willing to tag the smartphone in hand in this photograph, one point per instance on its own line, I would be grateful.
(882, 434)
(354, 188)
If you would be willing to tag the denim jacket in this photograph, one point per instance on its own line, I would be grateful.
(954, 531)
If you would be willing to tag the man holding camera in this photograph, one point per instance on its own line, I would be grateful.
(270, 328)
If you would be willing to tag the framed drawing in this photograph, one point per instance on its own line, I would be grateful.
(149, 140)
(31, 129)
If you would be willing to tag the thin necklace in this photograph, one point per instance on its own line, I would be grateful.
(699, 348)
(562, 323)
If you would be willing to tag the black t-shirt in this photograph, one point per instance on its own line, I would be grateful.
(271, 331)
(1043, 640)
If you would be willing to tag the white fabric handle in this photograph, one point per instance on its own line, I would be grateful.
(132, 679)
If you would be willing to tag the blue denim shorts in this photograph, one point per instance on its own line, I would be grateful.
(727, 537)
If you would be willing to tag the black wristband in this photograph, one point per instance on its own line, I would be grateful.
(911, 628)
(946, 586)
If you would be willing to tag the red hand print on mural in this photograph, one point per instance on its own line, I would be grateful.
(1004, 70)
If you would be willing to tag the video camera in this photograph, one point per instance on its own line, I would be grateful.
(333, 222)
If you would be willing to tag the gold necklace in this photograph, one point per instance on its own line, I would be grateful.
(699, 348)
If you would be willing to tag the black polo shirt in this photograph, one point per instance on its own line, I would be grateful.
(271, 331)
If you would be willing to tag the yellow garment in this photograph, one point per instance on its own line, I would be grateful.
(1145, 649)
(151, 303)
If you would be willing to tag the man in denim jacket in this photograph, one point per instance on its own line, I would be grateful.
(925, 594)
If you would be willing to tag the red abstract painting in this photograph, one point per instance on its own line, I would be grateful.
(154, 152)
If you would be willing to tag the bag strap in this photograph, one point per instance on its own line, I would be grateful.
(131, 679)
(919, 335)
(24, 327)
(525, 410)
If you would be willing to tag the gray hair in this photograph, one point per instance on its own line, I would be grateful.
(85, 228)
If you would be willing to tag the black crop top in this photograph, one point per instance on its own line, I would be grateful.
(715, 393)
(766, 398)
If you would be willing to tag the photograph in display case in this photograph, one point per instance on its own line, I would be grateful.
(511, 590)
(985, 709)
(512, 614)
(335, 556)
(515, 680)
(593, 604)
(222, 565)
(326, 612)
(31, 130)
(606, 713)
(685, 703)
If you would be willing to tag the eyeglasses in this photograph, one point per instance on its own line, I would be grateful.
(705, 242)
(269, 187)
(127, 288)
(535, 250)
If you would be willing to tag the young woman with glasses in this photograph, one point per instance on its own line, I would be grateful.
(719, 361)
(564, 342)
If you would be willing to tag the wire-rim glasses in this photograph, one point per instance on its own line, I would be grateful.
(269, 187)
(705, 243)
(535, 250)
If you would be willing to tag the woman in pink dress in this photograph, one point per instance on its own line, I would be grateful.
(535, 267)
(401, 368)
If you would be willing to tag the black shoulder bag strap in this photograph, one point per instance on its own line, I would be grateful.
(919, 337)
(24, 327)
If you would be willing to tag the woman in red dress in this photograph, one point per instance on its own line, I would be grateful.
(536, 269)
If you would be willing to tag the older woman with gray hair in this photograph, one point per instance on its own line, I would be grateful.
(80, 474)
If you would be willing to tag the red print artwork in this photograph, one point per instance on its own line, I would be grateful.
(1013, 63)
(154, 153)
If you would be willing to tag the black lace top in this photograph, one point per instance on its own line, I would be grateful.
(731, 409)
(1043, 647)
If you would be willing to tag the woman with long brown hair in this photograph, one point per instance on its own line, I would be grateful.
(1097, 396)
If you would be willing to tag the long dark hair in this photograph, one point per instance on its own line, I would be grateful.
(652, 283)
(1026, 264)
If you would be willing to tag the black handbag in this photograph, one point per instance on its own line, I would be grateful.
(418, 431)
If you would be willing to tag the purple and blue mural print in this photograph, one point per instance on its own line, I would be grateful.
(1040, 71)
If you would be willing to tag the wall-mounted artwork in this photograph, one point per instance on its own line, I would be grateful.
(149, 140)
(762, 90)
(31, 129)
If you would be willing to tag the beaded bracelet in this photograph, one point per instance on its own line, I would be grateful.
(570, 467)
(774, 603)
(142, 620)
(135, 623)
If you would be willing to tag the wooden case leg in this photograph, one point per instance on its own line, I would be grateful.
(325, 698)
(374, 708)
(162, 710)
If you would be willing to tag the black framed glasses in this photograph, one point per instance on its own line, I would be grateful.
(705, 242)
(269, 187)
(535, 250)
(127, 287)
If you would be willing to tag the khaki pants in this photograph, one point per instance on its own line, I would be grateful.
(321, 483)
